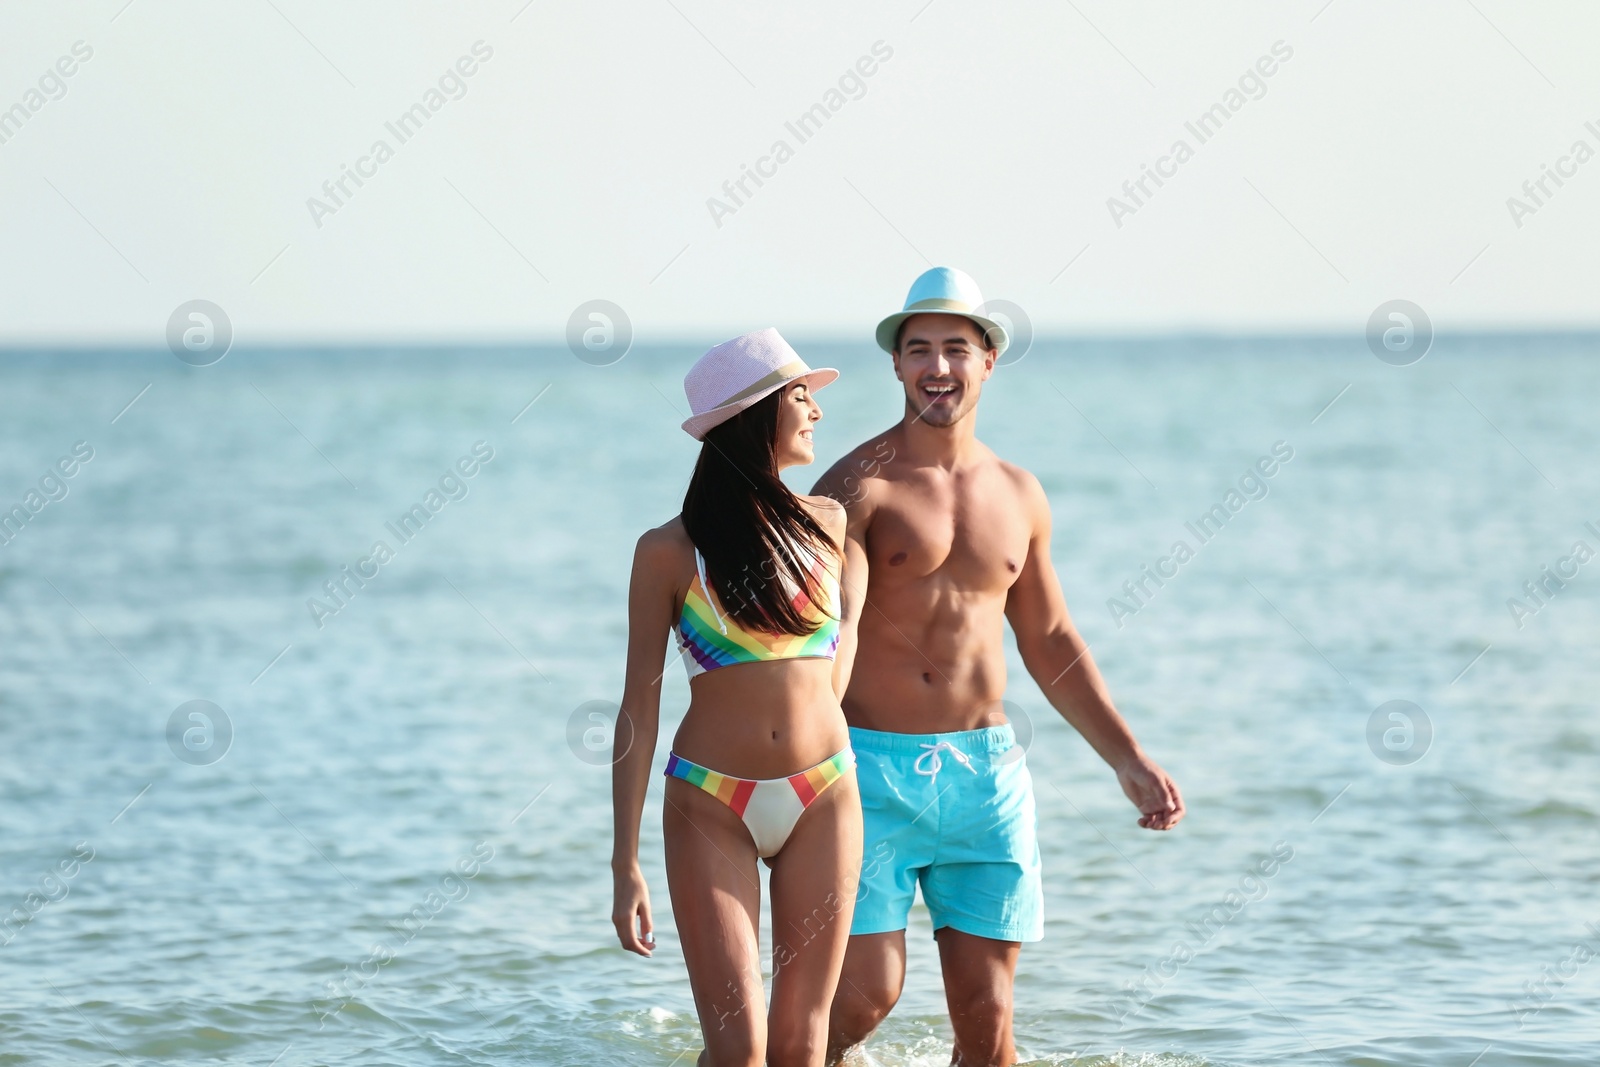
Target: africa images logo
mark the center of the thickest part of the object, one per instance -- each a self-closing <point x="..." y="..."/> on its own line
<point x="451" y="85"/>
<point x="805" y="126"/>
<point x="1251" y="85"/>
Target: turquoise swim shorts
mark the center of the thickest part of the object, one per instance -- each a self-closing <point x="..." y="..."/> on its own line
<point x="954" y="813"/>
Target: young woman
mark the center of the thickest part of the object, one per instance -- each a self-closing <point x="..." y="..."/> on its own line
<point x="748" y="580"/>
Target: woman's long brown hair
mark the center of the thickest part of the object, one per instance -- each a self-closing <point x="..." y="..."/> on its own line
<point x="750" y="527"/>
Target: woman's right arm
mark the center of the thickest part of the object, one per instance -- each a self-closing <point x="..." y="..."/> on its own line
<point x="650" y="605"/>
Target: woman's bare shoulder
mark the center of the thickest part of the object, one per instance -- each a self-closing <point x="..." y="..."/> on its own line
<point x="664" y="547"/>
<point x="828" y="512"/>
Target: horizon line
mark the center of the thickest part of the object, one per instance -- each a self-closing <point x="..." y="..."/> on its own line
<point x="558" y="344"/>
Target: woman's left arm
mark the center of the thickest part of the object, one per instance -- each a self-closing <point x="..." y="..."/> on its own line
<point x="852" y="594"/>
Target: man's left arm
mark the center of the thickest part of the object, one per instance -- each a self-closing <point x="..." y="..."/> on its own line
<point x="1058" y="659"/>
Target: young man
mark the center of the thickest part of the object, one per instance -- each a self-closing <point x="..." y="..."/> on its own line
<point x="944" y="540"/>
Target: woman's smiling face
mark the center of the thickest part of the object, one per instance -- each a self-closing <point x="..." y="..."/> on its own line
<point x="797" y="413"/>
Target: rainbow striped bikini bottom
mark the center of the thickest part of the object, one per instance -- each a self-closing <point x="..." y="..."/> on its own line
<point x="770" y="807"/>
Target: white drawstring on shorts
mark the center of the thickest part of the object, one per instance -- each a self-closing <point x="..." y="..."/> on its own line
<point x="936" y="764"/>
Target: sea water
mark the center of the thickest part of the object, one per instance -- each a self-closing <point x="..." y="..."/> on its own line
<point x="385" y="838"/>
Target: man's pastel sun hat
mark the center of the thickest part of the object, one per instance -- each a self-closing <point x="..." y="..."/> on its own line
<point x="948" y="291"/>
<point x="737" y="373"/>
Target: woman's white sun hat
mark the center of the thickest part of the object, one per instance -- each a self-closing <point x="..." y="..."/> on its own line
<point x="737" y="373"/>
<point x="944" y="290"/>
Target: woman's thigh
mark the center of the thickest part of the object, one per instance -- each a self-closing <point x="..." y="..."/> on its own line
<point x="813" y="897"/>
<point x="716" y="905"/>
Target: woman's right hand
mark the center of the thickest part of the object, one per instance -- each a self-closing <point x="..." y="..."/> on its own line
<point x="630" y="911"/>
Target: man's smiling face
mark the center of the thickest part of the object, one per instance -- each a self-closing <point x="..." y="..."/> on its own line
<point x="943" y="361"/>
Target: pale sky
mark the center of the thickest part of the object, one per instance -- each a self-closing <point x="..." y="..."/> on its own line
<point x="577" y="159"/>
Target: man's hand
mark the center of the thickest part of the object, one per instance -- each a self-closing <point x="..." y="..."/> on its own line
<point x="1153" y="792"/>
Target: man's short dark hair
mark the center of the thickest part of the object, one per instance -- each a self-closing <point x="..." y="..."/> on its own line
<point x="900" y="330"/>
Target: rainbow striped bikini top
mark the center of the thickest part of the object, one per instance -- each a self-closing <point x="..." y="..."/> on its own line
<point x="707" y="639"/>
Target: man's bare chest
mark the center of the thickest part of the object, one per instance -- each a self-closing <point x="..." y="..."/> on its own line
<point x="970" y="537"/>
